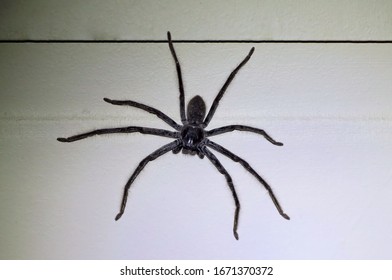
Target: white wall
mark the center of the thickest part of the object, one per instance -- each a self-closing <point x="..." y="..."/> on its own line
<point x="328" y="103"/>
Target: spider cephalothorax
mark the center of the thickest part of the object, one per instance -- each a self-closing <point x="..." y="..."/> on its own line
<point x="191" y="137"/>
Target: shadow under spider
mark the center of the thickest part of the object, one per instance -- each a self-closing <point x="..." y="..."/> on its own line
<point x="191" y="137"/>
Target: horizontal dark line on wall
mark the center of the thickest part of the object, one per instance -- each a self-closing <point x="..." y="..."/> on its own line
<point x="197" y="41"/>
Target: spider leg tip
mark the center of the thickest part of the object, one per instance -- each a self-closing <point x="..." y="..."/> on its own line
<point x="236" y="235"/>
<point x="279" y="144"/>
<point x="118" y="216"/>
<point x="285" y="216"/>
<point x="61" y="139"/>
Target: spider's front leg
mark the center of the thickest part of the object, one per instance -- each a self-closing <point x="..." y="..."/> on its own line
<point x="129" y="129"/>
<point x="164" y="149"/>
<point x="229" y="181"/>
<point x="247" y="166"/>
<point x="230" y="128"/>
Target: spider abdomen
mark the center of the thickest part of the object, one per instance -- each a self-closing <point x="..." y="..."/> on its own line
<point x="196" y="110"/>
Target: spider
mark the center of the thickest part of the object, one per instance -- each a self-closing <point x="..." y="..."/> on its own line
<point x="190" y="137"/>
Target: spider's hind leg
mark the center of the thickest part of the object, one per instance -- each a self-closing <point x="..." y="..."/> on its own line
<point x="179" y="76"/>
<point x="224" y="88"/>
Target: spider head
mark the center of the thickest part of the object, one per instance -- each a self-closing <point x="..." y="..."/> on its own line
<point x="191" y="137"/>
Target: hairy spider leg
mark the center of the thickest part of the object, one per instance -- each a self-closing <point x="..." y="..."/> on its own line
<point x="246" y="165"/>
<point x="129" y="129"/>
<point x="225" y="86"/>
<point x="231" y="128"/>
<point x="180" y="83"/>
<point x="229" y="181"/>
<point x="162" y="150"/>
<point x="146" y="108"/>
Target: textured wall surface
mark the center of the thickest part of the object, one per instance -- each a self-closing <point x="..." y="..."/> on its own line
<point x="330" y="104"/>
